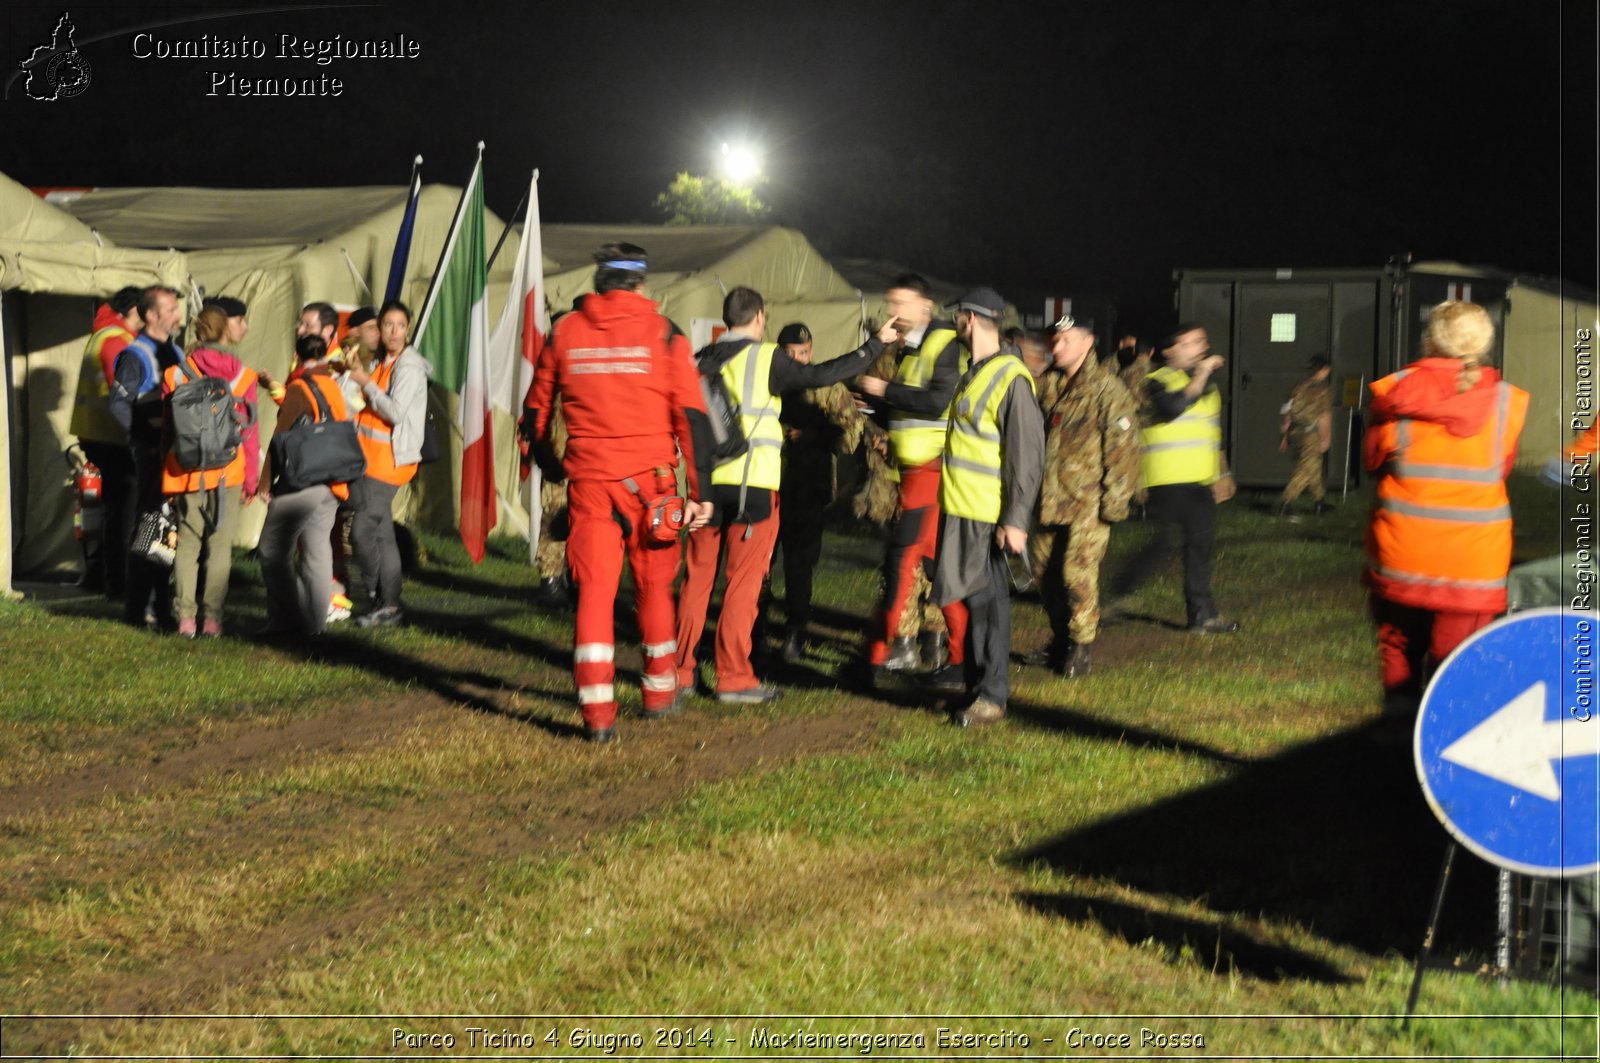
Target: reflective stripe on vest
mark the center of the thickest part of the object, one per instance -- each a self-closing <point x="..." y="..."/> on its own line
<point x="1185" y="449"/>
<point x="91" y="416"/>
<point x="970" y="485"/>
<point x="377" y="437"/>
<point x="1489" y="472"/>
<point x="748" y="375"/>
<point x="1440" y="535"/>
<point x="919" y="440"/>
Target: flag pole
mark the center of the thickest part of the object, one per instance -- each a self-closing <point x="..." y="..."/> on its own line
<point x="506" y="231"/>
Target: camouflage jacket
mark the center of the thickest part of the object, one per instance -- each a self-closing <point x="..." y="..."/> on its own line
<point x="1091" y="446"/>
<point x="1133" y="377"/>
<point x="1309" y="400"/>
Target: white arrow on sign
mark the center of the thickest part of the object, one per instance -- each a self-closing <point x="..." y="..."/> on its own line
<point x="1517" y="747"/>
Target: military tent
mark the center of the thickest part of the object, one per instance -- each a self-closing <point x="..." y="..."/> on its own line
<point x="279" y="249"/>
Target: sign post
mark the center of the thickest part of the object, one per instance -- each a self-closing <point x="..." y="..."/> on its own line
<point x="1507" y="748"/>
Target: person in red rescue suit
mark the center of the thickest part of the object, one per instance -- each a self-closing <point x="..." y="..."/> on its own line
<point x="930" y="361"/>
<point x="1442" y="439"/>
<point x="105" y="442"/>
<point x="632" y="404"/>
<point x="745" y="490"/>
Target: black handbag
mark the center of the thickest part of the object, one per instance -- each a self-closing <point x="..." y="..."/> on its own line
<point x="311" y="453"/>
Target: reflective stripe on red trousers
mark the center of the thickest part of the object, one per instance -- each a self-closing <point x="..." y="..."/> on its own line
<point x="595" y="549"/>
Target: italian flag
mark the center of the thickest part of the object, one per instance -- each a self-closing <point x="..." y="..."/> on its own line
<point x="453" y="334"/>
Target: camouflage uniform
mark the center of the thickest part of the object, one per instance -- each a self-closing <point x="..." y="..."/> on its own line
<point x="1134" y="375"/>
<point x="1091" y="469"/>
<point x="1309" y="402"/>
<point x="551" y="557"/>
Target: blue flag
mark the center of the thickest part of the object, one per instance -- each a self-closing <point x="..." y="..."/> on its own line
<point x="402" y="240"/>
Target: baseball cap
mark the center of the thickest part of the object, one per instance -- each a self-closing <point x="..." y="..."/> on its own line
<point x="985" y="302"/>
<point x="360" y="316"/>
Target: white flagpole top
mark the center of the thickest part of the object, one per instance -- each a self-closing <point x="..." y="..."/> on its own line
<point x="536" y="173"/>
<point x="417" y="161"/>
<point x="480" y="147"/>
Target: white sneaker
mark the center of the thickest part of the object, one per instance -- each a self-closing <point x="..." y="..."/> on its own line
<point x="337" y="613"/>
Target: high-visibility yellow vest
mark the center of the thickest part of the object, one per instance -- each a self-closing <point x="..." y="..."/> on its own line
<point x="1186" y="449"/>
<point x="91" y="416"/>
<point x="747" y="375"/>
<point x="970" y="484"/>
<point x="918" y="440"/>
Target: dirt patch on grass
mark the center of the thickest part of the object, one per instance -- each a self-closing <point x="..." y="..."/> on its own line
<point x="178" y="758"/>
<point x="652" y="766"/>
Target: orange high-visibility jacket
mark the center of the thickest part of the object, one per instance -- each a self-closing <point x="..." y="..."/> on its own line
<point x="377" y="436"/>
<point x="175" y="480"/>
<point x="1440" y="536"/>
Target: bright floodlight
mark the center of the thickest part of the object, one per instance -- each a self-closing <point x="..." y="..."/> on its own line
<point x="739" y="163"/>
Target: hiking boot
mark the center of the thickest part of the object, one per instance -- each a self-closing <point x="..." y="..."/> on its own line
<point x="902" y="655"/>
<point x="1078" y="662"/>
<point x="794" y="648"/>
<point x="1321" y="507"/>
<point x="950" y="679"/>
<point x="935" y="649"/>
<point x="759" y="694"/>
<point x="1048" y="657"/>
<point x="187" y="628"/>
<point x="553" y="592"/>
<point x="384" y="616"/>
<point x="211" y="628"/>
<point x="599" y="735"/>
<point x="1213" y="625"/>
<point x="980" y="713"/>
<point x="1285" y="510"/>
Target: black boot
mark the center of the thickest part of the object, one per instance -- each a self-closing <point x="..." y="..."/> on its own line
<point x="935" y="647"/>
<point x="1078" y="662"/>
<point x="794" y="647"/>
<point x="1321" y="507"/>
<point x="902" y="655"/>
<point x="553" y="593"/>
<point x="1284" y="510"/>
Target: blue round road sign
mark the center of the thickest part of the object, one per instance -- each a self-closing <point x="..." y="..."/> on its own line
<point x="1508" y="743"/>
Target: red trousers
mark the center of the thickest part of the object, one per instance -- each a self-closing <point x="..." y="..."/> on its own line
<point x="1407" y="634"/>
<point x="608" y="520"/>
<point x="912" y="543"/>
<point x="746" y="564"/>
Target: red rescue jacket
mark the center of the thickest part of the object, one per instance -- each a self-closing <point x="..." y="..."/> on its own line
<point x="627" y="382"/>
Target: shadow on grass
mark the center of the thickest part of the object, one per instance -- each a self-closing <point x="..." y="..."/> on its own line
<point x="1213" y="946"/>
<point x="1332" y="835"/>
<point x="455" y="685"/>
<point x="1066" y="720"/>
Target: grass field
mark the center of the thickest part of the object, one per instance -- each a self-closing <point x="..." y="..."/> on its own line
<point x="283" y="851"/>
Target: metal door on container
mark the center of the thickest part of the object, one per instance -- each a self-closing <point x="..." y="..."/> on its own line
<point x="1280" y="328"/>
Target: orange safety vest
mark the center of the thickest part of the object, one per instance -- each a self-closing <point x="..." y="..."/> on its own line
<point x="329" y="387"/>
<point x="1440" y="536"/>
<point x="376" y="435"/>
<point x="176" y="480"/>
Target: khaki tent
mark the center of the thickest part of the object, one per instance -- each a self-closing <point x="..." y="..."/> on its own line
<point x="693" y="266"/>
<point x="53" y="270"/>
<point x="279" y="249"/>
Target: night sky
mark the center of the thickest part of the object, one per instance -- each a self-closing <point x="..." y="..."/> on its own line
<point x="1081" y="146"/>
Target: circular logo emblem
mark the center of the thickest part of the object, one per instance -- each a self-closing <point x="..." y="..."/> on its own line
<point x="67" y="75"/>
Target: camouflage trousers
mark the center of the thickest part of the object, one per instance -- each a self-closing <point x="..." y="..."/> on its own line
<point x="1307" y="467"/>
<point x="551" y="558"/>
<point x="1066" y="565"/>
<point x="922" y="612"/>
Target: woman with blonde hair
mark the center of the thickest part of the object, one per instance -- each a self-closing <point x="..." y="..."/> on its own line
<point x="208" y="502"/>
<point x="1442" y="439"/>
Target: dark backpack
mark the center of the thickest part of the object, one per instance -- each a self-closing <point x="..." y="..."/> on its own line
<point x="208" y="421"/>
<point x="309" y="453"/>
<point x="722" y="408"/>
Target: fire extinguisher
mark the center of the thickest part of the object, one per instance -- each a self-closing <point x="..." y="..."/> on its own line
<point x="88" y="509"/>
